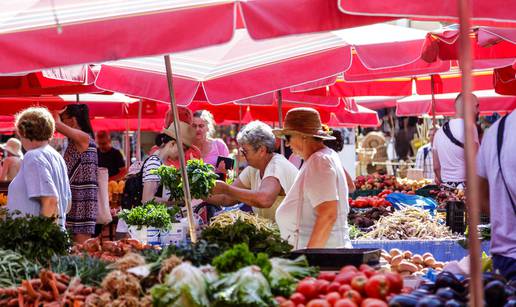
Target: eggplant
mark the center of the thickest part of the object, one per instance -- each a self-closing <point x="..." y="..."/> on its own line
<point x="447" y="279"/>
<point x="510" y="303"/>
<point x="403" y="301"/>
<point x="454" y="303"/>
<point x="509" y="291"/>
<point x="489" y="277"/>
<point x="429" y="286"/>
<point x="494" y="293"/>
<point x="447" y="294"/>
<point x="430" y="301"/>
<point x="420" y="292"/>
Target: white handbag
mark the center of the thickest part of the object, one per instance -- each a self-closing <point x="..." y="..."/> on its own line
<point x="103" y="210"/>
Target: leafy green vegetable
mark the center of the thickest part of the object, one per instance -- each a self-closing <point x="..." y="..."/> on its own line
<point x="91" y="270"/>
<point x="14" y="268"/>
<point x="246" y="287"/>
<point x="151" y="214"/>
<point x="239" y="257"/>
<point x="185" y="286"/>
<point x="354" y="232"/>
<point x="200" y="253"/>
<point x="201" y="178"/>
<point x="258" y="240"/>
<point x="285" y="274"/>
<point x="35" y="237"/>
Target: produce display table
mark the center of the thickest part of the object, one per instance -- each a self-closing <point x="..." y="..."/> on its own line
<point x="443" y="250"/>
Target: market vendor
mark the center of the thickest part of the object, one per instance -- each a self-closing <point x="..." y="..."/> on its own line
<point x="267" y="179"/>
<point x="314" y="212"/>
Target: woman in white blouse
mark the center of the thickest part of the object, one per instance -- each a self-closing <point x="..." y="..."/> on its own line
<point x="314" y="212"/>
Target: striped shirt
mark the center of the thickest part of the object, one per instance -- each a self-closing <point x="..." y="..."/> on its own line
<point x="425" y="161"/>
<point x="152" y="163"/>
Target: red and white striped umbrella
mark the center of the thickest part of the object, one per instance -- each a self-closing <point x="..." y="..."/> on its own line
<point x="494" y="12"/>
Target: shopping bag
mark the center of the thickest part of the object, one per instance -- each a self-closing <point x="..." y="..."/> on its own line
<point x="400" y="200"/>
<point x="103" y="210"/>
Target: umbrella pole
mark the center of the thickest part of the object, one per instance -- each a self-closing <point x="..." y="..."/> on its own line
<point x="472" y="191"/>
<point x="139" y="135"/>
<point x="127" y="143"/>
<point x="280" y="120"/>
<point x="184" y="175"/>
<point x="432" y="87"/>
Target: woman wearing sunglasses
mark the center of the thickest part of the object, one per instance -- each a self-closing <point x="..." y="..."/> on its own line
<point x="314" y="211"/>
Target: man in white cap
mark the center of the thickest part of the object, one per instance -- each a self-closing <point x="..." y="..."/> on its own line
<point x="11" y="164"/>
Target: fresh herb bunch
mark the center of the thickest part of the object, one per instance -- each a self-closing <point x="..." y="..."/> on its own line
<point x="201" y="177"/>
<point x="259" y="240"/>
<point x="170" y="178"/>
<point x="14" y="268"/>
<point x="35" y="237"/>
<point x="239" y="256"/>
<point x="91" y="270"/>
<point x="150" y="214"/>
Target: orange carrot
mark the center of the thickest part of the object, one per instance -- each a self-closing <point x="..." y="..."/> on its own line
<point x="53" y="285"/>
<point x="36" y="302"/>
<point x="13" y="302"/>
<point x="46" y="295"/>
<point x="30" y="289"/>
<point x="21" y="302"/>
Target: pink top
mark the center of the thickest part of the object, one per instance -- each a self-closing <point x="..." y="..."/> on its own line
<point x="218" y="148"/>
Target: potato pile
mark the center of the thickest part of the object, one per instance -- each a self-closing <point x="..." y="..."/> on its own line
<point x="405" y="263"/>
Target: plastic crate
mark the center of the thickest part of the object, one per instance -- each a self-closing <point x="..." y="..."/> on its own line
<point x="332" y="259"/>
<point x="455" y="216"/>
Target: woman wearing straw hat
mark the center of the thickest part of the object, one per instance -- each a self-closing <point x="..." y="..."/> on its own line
<point x="314" y="211"/>
<point x="11" y="164"/>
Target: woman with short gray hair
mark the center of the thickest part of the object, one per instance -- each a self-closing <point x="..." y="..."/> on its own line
<point x="257" y="134"/>
<point x="267" y="179"/>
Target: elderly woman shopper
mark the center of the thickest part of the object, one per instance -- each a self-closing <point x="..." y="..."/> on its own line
<point x="11" y="164"/>
<point x="210" y="147"/>
<point x="267" y="179"/>
<point x="41" y="186"/>
<point x="81" y="159"/>
<point x="314" y="212"/>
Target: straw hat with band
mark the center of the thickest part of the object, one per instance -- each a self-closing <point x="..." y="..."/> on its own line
<point x="303" y="121"/>
<point x="13" y="146"/>
<point x="187" y="133"/>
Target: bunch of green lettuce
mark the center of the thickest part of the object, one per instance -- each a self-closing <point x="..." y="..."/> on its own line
<point x="246" y="287"/>
<point x="238" y="257"/>
<point x="285" y="274"/>
<point x="185" y="286"/>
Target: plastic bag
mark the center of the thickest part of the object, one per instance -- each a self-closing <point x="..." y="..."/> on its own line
<point x="400" y="200"/>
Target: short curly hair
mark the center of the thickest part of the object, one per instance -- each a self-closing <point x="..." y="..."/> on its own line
<point x="35" y="124"/>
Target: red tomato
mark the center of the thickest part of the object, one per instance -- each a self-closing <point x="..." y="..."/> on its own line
<point x="329" y="276"/>
<point x="308" y="288"/>
<point x="346" y="277"/>
<point x="332" y="297"/>
<point x="345" y="303"/>
<point x="334" y="287"/>
<point x="353" y="295"/>
<point x="322" y="286"/>
<point x="280" y="299"/>
<point x="395" y="282"/>
<point x="298" y="298"/>
<point x="318" y="303"/>
<point x="367" y="270"/>
<point x="348" y="268"/>
<point x="344" y="288"/>
<point x="373" y="302"/>
<point x="377" y="287"/>
<point x="358" y="283"/>
<point x="288" y="304"/>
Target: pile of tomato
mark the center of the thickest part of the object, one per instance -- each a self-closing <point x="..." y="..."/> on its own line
<point x="369" y="201"/>
<point x="350" y="287"/>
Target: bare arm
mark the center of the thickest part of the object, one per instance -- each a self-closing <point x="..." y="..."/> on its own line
<point x="5" y="169"/>
<point x="437" y="167"/>
<point x="48" y="206"/>
<point x="79" y="137"/>
<point x="149" y="190"/>
<point x="349" y="182"/>
<point x="484" y="194"/>
<point x="223" y="199"/>
<point x="326" y="216"/>
<point x="264" y="197"/>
